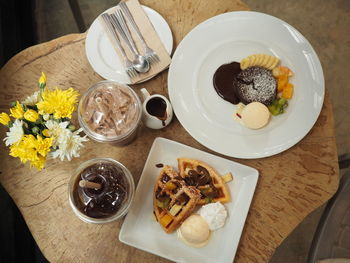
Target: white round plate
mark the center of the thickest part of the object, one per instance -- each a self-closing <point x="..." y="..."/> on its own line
<point x="103" y="57"/>
<point x="231" y="37"/>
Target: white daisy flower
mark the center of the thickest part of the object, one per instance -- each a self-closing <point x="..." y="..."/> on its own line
<point x="69" y="146"/>
<point x="46" y="117"/>
<point x="57" y="131"/>
<point x="15" y="133"/>
<point x="32" y="99"/>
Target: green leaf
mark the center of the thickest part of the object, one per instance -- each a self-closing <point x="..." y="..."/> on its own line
<point x="35" y="130"/>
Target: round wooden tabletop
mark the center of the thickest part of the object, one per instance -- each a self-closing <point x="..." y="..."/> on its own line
<point x="291" y="184"/>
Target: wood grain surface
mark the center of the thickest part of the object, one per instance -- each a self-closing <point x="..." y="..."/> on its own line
<point x="291" y="184"/>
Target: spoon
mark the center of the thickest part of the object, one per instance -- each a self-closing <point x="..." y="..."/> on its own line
<point x="140" y="63"/>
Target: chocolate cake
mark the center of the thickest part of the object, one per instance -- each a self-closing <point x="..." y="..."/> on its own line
<point x="255" y="84"/>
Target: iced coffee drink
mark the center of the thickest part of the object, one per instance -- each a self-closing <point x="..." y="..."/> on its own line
<point x="110" y="112"/>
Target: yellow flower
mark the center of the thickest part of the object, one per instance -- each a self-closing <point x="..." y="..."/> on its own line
<point x="46" y="133"/>
<point x="17" y="111"/>
<point x="38" y="163"/>
<point x="28" y="141"/>
<point x="31" y="115"/>
<point x="43" y="145"/>
<point x="4" y="118"/>
<point x="32" y="149"/>
<point x="42" y="79"/>
<point x="60" y="103"/>
<point x="24" y="149"/>
<point x="17" y="150"/>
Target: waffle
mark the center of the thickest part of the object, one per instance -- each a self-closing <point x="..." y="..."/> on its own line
<point x="195" y="173"/>
<point x="171" y="206"/>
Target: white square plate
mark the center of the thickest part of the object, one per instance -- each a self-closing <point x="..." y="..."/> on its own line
<point x="142" y="231"/>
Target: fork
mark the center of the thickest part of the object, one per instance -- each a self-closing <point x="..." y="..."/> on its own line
<point x="129" y="68"/>
<point x="150" y="54"/>
<point x="140" y="62"/>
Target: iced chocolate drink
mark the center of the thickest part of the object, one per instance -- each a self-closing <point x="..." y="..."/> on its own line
<point x="101" y="189"/>
<point x="107" y="196"/>
<point x="110" y="112"/>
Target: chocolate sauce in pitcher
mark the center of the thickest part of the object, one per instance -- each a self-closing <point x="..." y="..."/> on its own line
<point x="157" y="108"/>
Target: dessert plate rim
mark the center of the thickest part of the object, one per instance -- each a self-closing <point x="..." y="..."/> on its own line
<point x="189" y="94"/>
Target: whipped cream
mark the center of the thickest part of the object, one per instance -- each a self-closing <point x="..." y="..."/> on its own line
<point x="214" y="214"/>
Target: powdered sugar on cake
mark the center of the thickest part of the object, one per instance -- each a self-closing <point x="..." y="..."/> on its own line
<point x="256" y="84"/>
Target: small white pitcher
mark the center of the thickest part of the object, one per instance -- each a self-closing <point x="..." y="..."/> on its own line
<point x="157" y="111"/>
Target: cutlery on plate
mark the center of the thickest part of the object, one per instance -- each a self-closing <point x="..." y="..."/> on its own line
<point x="140" y="63"/>
<point x="129" y="68"/>
<point x="150" y="54"/>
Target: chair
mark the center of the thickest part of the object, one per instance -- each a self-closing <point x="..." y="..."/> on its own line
<point x="74" y="5"/>
<point x="332" y="237"/>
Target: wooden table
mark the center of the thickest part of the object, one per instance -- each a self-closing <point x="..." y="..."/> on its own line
<point x="291" y="184"/>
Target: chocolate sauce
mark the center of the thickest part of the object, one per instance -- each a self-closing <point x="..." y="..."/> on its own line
<point x="165" y="178"/>
<point x="252" y="84"/>
<point x="157" y="108"/>
<point x="182" y="199"/>
<point x="159" y="165"/>
<point x="107" y="200"/>
<point x="224" y="81"/>
<point x="199" y="177"/>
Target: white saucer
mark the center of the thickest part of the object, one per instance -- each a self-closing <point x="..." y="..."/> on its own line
<point x="103" y="57"/>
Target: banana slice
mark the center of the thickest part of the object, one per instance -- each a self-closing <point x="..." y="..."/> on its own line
<point x="274" y="64"/>
<point x="254" y="60"/>
<point x="262" y="60"/>
<point x="259" y="59"/>
<point x="244" y="63"/>
<point x="265" y="61"/>
<point x="248" y="61"/>
<point x="270" y="63"/>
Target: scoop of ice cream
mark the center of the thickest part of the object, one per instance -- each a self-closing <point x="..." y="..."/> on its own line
<point x="194" y="231"/>
<point x="214" y="214"/>
<point x="255" y="115"/>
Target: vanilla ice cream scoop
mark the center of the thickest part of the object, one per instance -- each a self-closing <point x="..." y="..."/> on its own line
<point x="214" y="214"/>
<point x="194" y="231"/>
<point x="255" y="115"/>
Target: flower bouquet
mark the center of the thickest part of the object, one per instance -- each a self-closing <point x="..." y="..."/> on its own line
<point x="41" y="126"/>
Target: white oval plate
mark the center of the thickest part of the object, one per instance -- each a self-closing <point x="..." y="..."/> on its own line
<point x="103" y="57"/>
<point x="231" y="37"/>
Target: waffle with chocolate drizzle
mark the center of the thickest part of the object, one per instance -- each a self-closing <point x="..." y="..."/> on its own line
<point x="202" y="176"/>
<point x="173" y="200"/>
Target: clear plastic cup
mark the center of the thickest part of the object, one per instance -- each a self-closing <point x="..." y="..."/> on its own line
<point x="110" y="112"/>
<point x="79" y="197"/>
